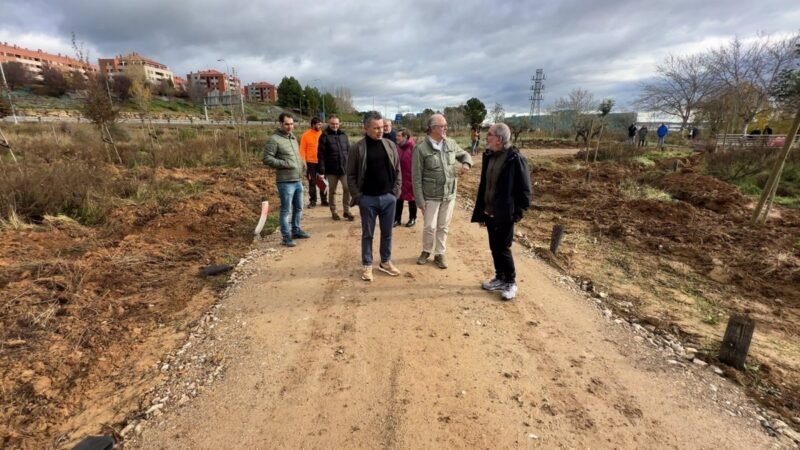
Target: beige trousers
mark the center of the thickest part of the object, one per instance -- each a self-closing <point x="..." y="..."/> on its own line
<point x="436" y="221"/>
<point x="333" y="182"/>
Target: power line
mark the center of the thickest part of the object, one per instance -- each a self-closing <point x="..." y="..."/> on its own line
<point x="537" y="95"/>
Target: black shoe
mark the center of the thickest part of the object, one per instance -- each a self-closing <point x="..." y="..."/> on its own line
<point x="300" y="234"/>
<point x="396" y="224"/>
<point x="411" y="222"/>
<point x="324" y="204"/>
<point x="312" y="205"/>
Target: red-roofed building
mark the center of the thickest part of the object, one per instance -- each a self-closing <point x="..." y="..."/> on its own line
<point x="262" y="92"/>
<point x="213" y="80"/>
<point x="179" y="83"/>
<point x="34" y="60"/>
<point x="135" y="66"/>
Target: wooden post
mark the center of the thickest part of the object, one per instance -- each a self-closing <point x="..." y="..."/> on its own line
<point x="736" y="342"/>
<point x="556" y="238"/>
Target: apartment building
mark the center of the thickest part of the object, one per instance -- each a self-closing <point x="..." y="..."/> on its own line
<point x="135" y="66"/>
<point x="261" y="92"/>
<point x="34" y="60"/>
<point x="214" y="81"/>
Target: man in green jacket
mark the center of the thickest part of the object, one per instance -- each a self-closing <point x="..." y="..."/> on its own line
<point x="437" y="163"/>
<point x="283" y="155"/>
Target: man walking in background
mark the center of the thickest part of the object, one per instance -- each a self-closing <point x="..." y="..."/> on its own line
<point x="437" y="163"/>
<point x="283" y="154"/>
<point x="332" y="155"/>
<point x="373" y="176"/>
<point x="661" y="132"/>
<point x="504" y="194"/>
<point x="309" y="142"/>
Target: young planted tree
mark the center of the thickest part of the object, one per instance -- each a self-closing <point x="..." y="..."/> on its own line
<point x="786" y="92"/>
<point x="576" y="107"/>
<point x="97" y="107"/>
<point x="604" y="109"/>
<point x="141" y="98"/>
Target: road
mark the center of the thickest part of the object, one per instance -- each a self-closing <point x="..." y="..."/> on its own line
<point x="318" y="358"/>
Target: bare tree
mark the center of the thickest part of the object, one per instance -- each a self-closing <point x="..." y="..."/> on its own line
<point x="17" y="75"/>
<point x="750" y="72"/>
<point x="576" y="107"/>
<point x="498" y="113"/>
<point x="682" y="83"/>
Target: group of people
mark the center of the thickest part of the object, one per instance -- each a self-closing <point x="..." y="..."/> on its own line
<point x="387" y="168"/>
<point x="635" y="132"/>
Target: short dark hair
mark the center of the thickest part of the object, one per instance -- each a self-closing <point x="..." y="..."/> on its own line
<point x="285" y="116"/>
<point x="405" y="132"/>
<point x="372" y="115"/>
<point x="333" y="116"/>
<point x="315" y="121"/>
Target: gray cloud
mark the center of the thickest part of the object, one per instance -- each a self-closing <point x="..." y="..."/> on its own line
<point x="408" y="55"/>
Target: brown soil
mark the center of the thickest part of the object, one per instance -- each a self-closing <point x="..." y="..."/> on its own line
<point x="88" y="312"/>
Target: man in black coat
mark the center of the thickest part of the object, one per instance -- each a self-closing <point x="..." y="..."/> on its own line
<point x="504" y="194"/>
<point x="332" y="156"/>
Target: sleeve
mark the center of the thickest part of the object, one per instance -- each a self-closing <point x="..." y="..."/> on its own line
<point x="321" y="154"/>
<point x="304" y="146"/>
<point x="462" y="156"/>
<point x="416" y="176"/>
<point x="398" y="175"/>
<point x="352" y="175"/>
<point x="522" y="189"/>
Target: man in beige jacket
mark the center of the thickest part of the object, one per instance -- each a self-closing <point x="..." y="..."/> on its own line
<point x="437" y="163"/>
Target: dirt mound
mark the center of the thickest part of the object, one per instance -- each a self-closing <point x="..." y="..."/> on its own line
<point x="703" y="191"/>
<point x="90" y="311"/>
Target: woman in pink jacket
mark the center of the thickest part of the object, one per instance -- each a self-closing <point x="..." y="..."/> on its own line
<point x="405" y="147"/>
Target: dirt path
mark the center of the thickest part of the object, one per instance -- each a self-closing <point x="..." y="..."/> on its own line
<point x="320" y="359"/>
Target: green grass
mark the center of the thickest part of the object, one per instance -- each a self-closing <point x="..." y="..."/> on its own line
<point x="634" y="191"/>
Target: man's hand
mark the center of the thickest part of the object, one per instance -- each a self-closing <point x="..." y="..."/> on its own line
<point x="464" y="169"/>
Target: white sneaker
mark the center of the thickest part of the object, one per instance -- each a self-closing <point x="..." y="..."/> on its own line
<point x="509" y="291"/>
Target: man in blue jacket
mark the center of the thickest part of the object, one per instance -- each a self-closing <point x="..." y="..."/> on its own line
<point x="662" y="134"/>
<point x="504" y="194"/>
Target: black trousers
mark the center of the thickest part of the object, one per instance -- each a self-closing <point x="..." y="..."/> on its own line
<point x="501" y="235"/>
<point x="412" y="210"/>
<point x="311" y="174"/>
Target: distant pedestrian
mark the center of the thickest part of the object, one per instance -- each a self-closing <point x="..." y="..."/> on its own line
<point x="632" y="134"/>
<point x="695" y="133"/>
<point x="767" y="130"/>
<point x="661" y="132"/>
<point x="642" y="133"/>
<point x="309" y="142"/>
<point x="438" y="162"/>
<point x="374" y="179"/>
<point x="283" y="154"/>
<point x="475" y="136"/>
<point x="332" y="154"/>
<point x="504" y="194"/>
<point x="405" y="149"/>
<point x="388" y="133"/>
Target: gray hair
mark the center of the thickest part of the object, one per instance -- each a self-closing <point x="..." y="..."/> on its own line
<point x="372" y="115"/>
<point x="502" y="131"/>
<point x="429" y="122"/>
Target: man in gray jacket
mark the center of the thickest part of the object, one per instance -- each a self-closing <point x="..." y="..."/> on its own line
<point x="373" y="176"/>
<point x="283" y="155"/>
<point x="437" y="163"/>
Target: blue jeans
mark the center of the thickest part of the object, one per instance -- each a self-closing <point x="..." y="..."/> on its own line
<point x="291" y="193"/>
<point x="374" y="208"/>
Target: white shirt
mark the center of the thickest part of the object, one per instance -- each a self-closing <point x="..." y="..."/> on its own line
<point x="436" y="145"/>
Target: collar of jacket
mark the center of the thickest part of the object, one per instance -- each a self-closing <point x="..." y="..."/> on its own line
<point x="329" y="131"/>
<point x="280" y="133"/>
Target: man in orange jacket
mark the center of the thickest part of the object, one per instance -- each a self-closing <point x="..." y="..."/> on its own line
<point x="308" y="151"/>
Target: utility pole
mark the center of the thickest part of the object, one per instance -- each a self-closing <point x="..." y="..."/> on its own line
<point x="536" y="97"/>
<point x="8" y="91"/>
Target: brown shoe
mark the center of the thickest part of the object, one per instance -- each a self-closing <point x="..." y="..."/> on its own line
<point x="349" y="217"/>
<point x="335" y="216"/>
<point x="366" y="274"/>
<point x="423" y="258"/>
<point x="388" y="268"/>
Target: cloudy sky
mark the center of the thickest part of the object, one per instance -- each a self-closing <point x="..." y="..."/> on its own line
<point x="405" y="56"/>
